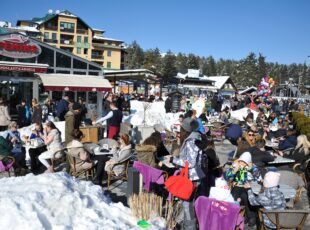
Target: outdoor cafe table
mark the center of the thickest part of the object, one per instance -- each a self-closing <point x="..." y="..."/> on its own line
<point x="29" y="146"/>
<point x="288" y="191"/>
<point x="281" y="160"/>
<point x="271" y="144"/>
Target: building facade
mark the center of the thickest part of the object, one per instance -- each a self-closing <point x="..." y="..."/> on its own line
<point x="69" y="32"/>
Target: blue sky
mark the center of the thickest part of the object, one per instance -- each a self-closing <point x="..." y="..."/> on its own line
<point x="229" y="29"/>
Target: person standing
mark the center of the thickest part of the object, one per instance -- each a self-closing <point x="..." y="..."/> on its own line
<point x="5" y="118"/>
<point x="71" y="121"/>
<point x="62" y="108"/>
<point x="22" y="111"/>
<point x="168" y="104"/>
<point x="114" y="118"/>
<point x="36" y="112"/>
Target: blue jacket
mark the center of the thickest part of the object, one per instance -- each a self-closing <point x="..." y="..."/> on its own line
<point x="61" y="109"/>
<point x="289" y="142"/>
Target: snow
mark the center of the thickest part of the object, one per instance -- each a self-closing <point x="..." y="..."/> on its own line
<point x="59" y="201"/>
<point x="26" y="28"/>
<point x="106" y="39"/>
<point x="219" y="81"/>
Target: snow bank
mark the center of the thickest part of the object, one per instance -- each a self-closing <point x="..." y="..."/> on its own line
<point x="59" y="201"/>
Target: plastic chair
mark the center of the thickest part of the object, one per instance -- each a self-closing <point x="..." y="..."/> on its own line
<point x="288" y="219"/>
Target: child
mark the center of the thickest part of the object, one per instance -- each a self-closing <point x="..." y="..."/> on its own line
<point x="221" y="191"/>
<point x="241" y="172"/>
<point x="271" y="198"/>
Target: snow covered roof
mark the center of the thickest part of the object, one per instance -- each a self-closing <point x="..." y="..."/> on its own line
<point x="26" y="28"/>
<point x="67" y="13"/>
<point x="106" y="39"/>
<point x="248" y="90"/>
<point x="219" y="80"/>
<point x="94" y="29"/>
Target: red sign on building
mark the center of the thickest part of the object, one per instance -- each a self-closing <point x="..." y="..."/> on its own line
<point x="18" y="46"/>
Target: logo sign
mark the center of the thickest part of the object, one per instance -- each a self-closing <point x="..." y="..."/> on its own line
<point x="18" y="46"/>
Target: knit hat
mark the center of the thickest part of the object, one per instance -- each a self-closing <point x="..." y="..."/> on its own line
<point x="271" y="179"/>
<point x="221" y="183"/>
<point x="76" y="106"/>
<point x="189" y="124"/>
<point x="246" y="158"/>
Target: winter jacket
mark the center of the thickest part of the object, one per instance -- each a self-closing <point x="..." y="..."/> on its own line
<point x="69" y="126"/>
<point x="61" y="109"/>
<point x="244" y="175"/>
<point x="5" y="147"/>
<point x="289" y="142"/>
<point x="4" y="116"/>
<point x="36" y="114"/>
<point x="77" y="151"/>
<point x="146" y="154"/>
<point x="120" y="156"/>
<point x="260" y="158"/>
<point x="270" y="199"/>
<point x="190" y="152"/>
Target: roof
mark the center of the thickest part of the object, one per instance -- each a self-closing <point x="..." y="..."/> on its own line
<point x="26" y="28"/>
<point x="219" y="80"/>
<point x="106" y="39"/>
<point x="69" y="82"/>
<point x="248" y="90"/>
<point x="129" y="75"/>
<point x="94" y="29"/>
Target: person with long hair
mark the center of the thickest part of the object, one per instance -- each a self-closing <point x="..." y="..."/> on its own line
<point x="5" y="118"/>
<point x="36" y="116"/>
<point x="52" y="140"/>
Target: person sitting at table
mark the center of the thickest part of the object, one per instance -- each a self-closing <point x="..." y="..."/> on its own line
<point x="266" y="133"/>
<point x="122" y="153"/>
<point x="37" y="133"/>
<point x="271" y="198"/>
<point x="260" y="157"/>
<point x="288" y="142"/>
<point x="12" y="135"/>
<point x="52" y="140"/>
<point x="76" y="150"/>
<point x="234" y="132"/>
<point x="221" y="191"/>
<point x="120" y="156"/>
<point x="247" y="141"/>
<point x="241" y="172"/>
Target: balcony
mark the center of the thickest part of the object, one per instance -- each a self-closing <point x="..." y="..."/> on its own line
<point x="51" y="27"/>
<point x="97" y="56"/>
<point x="67" y="30"/>
<point x="66" y="42"/>
<point x="81" y="31"/>
<point x="102" y="45"/>
<point x="50" y="40"/>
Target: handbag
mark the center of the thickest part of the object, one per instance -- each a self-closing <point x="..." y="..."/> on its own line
<point x="180" y="186"/>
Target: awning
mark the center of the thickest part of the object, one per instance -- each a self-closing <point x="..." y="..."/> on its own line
<point x="68" y="82"/>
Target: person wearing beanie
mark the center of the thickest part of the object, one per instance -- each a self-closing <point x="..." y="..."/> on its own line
<point x="221" y="191"/>
<point x="241" y="172"/>
<point x="72" y="121"/>
<point x="271" y="198"/>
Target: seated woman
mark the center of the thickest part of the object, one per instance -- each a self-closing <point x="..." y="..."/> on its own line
<point x="289" y="142"/>
<point x="271" y="198"/>
<point x="118" y="155"/>
<point x="301" y="152"/>
<point x="76" y="150"/>
<point x="247" y="141"/>
<point x="123" y="154"/>
<point x="12" y="135"/>
<point x="52" y="140"/>
<point x="38" y="134"/>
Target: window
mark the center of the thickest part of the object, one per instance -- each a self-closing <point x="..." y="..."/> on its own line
<point x="86" y="39"/>
<point x="109" y="64"/>
<point x="85" y="51"/>
<point x="67" y="27"/>
<point x="54" y="36"/>
<point x="78" y="50"/>
<point x="109" y="53"/>
<point x="79" y="39"/>
<point x="46" y="35"/>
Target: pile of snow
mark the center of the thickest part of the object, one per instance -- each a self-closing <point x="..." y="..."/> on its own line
<point x="59" y="201"/>
<point x="154" y="113"/>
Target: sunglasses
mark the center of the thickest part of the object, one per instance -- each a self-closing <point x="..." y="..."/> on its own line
<point x="251" y="134"/>
<point x="265" y="126"/>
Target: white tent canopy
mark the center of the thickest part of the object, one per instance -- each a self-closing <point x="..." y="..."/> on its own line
<point x="240" y="114"/>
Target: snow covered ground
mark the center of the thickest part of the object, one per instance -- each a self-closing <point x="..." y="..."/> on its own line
<point x="59" y="201"/>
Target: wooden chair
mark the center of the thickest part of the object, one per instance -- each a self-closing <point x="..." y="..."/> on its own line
<point x="288" y="219"/>
<point x="88" y="173"/>
<point x="123" y="176"/>
<point x="59" y="157"/>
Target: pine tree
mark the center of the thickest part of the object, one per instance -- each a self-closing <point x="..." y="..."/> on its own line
<point x="152" y="59"/>
<point x="192" y="62"/>
<point x="261" y="68"/>
<point x="181" y="63"/>
<point x="169" y="69"/>
<point x="134" y="56"/>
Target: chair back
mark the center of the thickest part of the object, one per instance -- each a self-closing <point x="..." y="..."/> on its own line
<point x="291" y="219"/>
<point x="108" y="141"/>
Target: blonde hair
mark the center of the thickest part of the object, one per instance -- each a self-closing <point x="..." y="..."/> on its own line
<point x="303" y="142"/>
<point x="13" y="124"/>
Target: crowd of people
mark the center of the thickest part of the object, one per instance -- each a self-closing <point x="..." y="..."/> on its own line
<point x="191" y="142"/>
